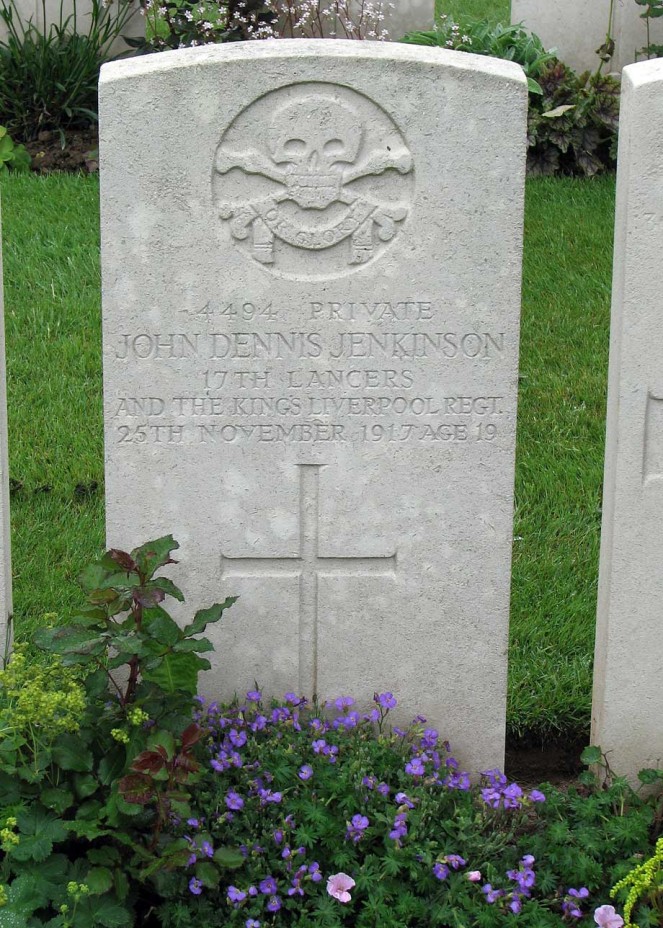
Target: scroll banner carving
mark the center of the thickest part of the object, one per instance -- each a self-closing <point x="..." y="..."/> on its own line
<point x="341" y="172"/>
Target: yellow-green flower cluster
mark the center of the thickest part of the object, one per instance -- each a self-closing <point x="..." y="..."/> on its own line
<point x="45" y="696"/>
<point x="119" y="734"/>
<point x="4" y="898"/>
<point x="645" y="879"/>
<point x="8" y="837"/>
<point x="137" y="716"/>
<point x="77" y="890"/>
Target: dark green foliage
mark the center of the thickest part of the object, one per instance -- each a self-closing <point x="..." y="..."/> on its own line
<point x="49" y="75"/>
<point x="89" y="795"/>
<point x="573" y="118"/>
<point x="481" y="37"/>
<point x="572" y="126"/>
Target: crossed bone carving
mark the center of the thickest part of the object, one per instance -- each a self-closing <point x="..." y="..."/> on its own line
<point x="313" y="154"/>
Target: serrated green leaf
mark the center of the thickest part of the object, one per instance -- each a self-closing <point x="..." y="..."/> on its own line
<point x="208" y="873"/>
<point x="155" y="554"/>
<point x="99" y="880"/>
<point x="205" y="617"/>
<point x="57" y="799"/>
<point x="650" y="776"/>
<point x="591" y="755"/>
<point x="163" y="629"/>
<point x="104" y="856"/>
<point x="177" y="673"/>
<point x="38" y="830"/>
<point x="199" y="645"/>
<point x="70" y="753"/>
<point x="112" y="766"/>
<point x="168" y="587"/>
<point x="229" y="857"/>
<point x="85" y="785"/>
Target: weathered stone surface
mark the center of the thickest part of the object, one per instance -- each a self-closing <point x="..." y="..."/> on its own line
<point x="576" y="28"/>
<point x="5" y="545"/>
<point x="33" y="11"/>
<point x="628" y="696"/>
<point x="311" y="290"/>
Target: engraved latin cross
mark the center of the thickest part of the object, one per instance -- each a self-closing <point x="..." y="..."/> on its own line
<point x="308" y="565"/>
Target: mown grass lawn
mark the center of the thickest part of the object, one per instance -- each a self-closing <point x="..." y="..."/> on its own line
<point x="51" y="252"/>
<point x="498" y="11"/>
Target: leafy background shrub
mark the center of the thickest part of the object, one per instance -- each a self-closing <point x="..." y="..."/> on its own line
<point x="49" y="75"/>
<point x="573" y="119"/>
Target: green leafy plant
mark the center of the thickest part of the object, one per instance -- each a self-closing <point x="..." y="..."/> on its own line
<point x="653" y="10"/>
<point x="573" y="119"/>
<point x="12" y="156"/>
<point x="573" y="125"/>
<point x="49" y="74"/>
<point x="96" y="749"/>
<point x="481" y="37"/>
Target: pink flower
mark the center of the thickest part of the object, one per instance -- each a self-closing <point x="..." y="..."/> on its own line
<point x="339" y="885"/>
<point x="606" y="917"/>
<point x="474" y="876"/>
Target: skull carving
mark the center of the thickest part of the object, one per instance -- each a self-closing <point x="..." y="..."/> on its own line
<point x="314" y="176"/>
<point x="312" y="141"/>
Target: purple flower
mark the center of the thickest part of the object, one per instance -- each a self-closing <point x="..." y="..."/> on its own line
<point x="415" y="767"/>
<point x="319" y="746"/>
<point x="344" y="702"/>
<point x="238" y="738"/>
<point x="383" y="789"/>
<point x="268" y="886"/>
<point x="305" y="772"/>
<point x="195" y="886"/>
<point x="492" y="895"/>
<point x="400" y="828"/>
<point x="356" y="828"/>
<point x="278" y="837"/>
<point x="429" y="738"/>
<point x="236" y="895"/>
<point x="292" y="699"/>
<point x="440" y="870"/>
<point x="570" y="904"/>
<point x="455" y="861"/>
<point x="385" y="700"/>
<point x="402" y="800"/>
<point x="234" y="800"/>
<point x="274" y="904"/>
<point x="254" y="696"/>
<point x="193" y="823"/>
<point x="252" y="923"/>
<point x="314" y="872"/>
<point x="536" y="796"/>
<point x="207" y="849"/>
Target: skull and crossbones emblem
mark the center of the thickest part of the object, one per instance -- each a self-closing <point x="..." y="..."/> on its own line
<point x="314" y="167"/>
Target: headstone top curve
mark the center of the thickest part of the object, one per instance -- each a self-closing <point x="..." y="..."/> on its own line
<point x="643" y="72"/>
<point x="314" y="49"/>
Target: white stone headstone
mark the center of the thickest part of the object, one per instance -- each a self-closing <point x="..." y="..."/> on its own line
<point x="5" y="544"/>
<point x="577" y="28"/>
<point x="311" y="292"/>
<point x="628" y="696"/>
<point x="410" y="16"/>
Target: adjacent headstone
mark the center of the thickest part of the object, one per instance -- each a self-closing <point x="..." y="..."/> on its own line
<point x="577" y="28"/>
<point x="628" y="696"/>
<point x="78" y="13"/>
<point x="311" y="292"/>
<point x="5" y="544"/>
<point x="410" y="16"/>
